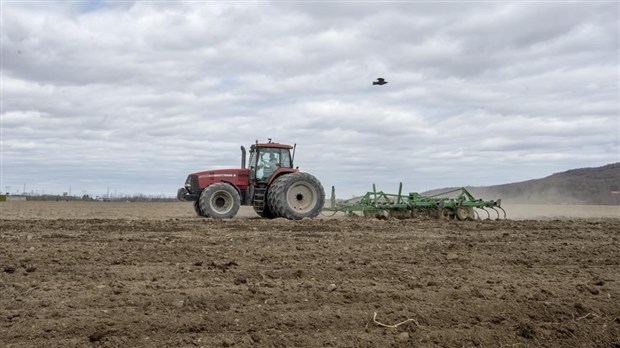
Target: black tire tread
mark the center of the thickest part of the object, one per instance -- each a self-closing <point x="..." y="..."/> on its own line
<point x="214" y="188"/>
<point x="198" y="210"/>
<point x="276" y="196"/>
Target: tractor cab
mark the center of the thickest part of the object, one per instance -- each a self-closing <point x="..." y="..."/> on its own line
<point x="268" y="158"/>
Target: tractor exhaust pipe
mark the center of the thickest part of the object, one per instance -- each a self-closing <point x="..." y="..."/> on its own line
<point x="242" y="157"/>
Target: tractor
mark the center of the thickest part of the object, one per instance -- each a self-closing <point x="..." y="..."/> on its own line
<point x="270" y="184"/>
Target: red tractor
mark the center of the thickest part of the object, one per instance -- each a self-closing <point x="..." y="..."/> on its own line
<point x="270" y="184"/>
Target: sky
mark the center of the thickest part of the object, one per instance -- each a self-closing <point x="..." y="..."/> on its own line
<point x="131" y="97"/>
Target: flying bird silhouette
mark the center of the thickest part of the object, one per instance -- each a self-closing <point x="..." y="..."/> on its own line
<point x="380" y="81"/>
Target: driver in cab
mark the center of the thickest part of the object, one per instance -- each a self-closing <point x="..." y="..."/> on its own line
<point x="270" y="164"/>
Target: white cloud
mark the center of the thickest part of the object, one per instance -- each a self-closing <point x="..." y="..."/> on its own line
<point x="478" y="93"/>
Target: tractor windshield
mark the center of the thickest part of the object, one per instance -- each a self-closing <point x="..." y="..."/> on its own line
<point x="269" y="160"/>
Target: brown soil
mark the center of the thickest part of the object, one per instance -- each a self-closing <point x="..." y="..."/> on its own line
<point x="179" y="281"/>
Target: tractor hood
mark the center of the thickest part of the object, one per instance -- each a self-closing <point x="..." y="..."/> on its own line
<point x="221" y="173"/>
<point x="237" y="177"/>
<point x="197" y="181"/>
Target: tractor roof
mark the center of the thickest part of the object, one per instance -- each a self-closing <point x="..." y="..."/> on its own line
<point x="274" y="145"/>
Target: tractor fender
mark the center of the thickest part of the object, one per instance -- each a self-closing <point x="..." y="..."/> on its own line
<point x="280" y="172"/>
<point x="231" y="184"/>
<point x="241" y="194"/>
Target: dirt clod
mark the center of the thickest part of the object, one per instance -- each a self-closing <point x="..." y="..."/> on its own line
<point x="222" y="266"/>
<point x="97" y="336"/>
<point x="525" y="330"/>
<point x="403" y="336"/>
<point x="240" y="280"/>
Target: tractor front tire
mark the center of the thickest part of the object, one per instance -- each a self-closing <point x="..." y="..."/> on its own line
<point x="220" y="201"/>
<point x="296" y="196"/>
<point x="197" y="209"/>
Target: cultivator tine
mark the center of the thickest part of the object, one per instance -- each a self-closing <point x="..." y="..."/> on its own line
<point x="497" y="212"/>
<point x="502" y="209"/>
<point x="486" y="211"/>
<point x="476" y="215"/>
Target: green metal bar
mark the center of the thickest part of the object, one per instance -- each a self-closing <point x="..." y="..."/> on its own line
<point x="443" y="193"/>
<point x="374" y="191"/>
<point x="469" y="196"/>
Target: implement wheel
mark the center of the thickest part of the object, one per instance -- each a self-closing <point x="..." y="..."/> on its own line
<point x="464" y="213"/>
<point x="296" y="196"/>
<point x="400" y="214"/>
<point x="368" y="214"/>
<point x="220" y="201"/>
<point x="445" y="214"/>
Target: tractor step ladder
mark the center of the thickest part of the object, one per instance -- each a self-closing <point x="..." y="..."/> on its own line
<point x="259" y="198"/>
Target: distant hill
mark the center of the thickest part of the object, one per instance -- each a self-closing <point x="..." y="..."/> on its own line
<point x="576" y="186"/>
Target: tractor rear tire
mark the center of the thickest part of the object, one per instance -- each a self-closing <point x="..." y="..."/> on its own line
<point x="266" y="214"/>
<point x="220" y="201"/>
<point x="296" y="196"/>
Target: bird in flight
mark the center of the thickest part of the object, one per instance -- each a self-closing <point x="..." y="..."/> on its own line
<point x="380" y="81"/>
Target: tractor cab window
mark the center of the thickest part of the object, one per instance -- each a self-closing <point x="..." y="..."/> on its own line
<point x="285" y="160"/>
<point x="268" y="163"/>
<point x="269" y="160"/>
<point x="252" y="161"/>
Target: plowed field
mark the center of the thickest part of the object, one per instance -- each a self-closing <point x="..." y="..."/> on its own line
<point x="101" y="278"/>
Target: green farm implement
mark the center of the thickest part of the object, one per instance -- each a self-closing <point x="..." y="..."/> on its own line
<point x="455" y="204"/>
